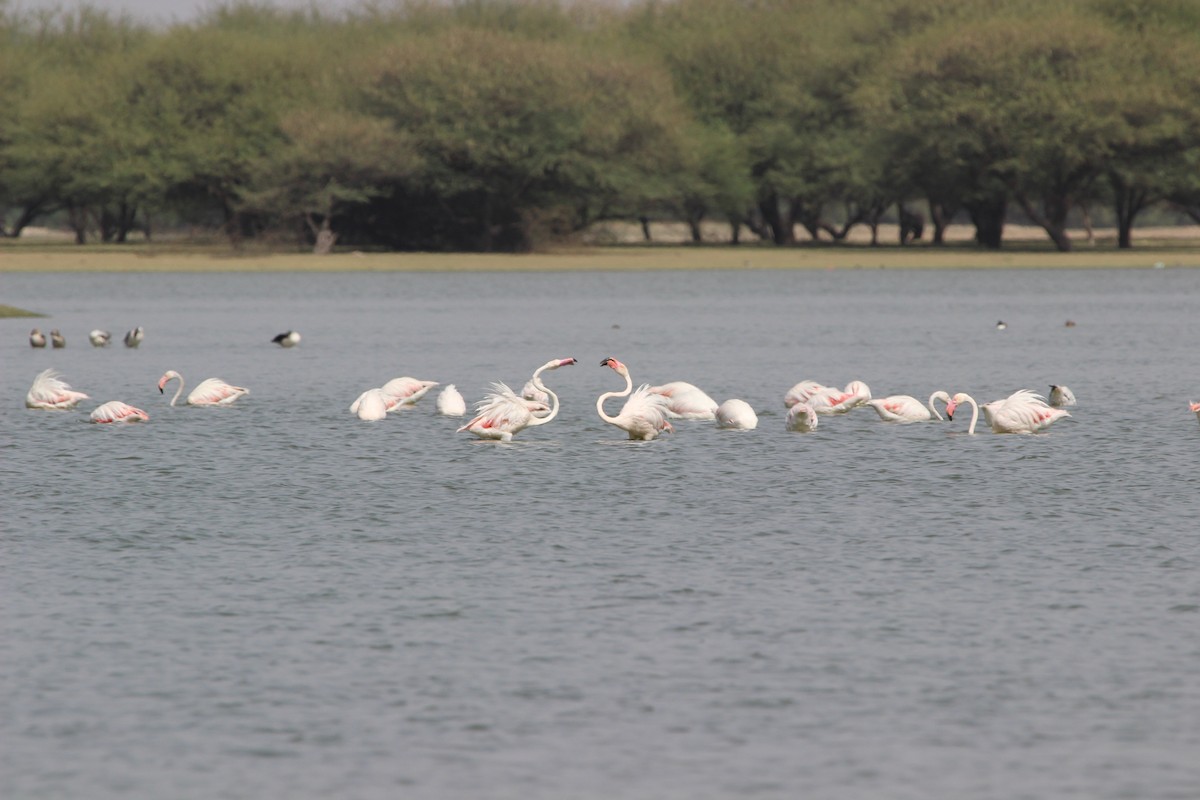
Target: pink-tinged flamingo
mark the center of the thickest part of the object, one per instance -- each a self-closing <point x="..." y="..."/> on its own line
<point x="116" y="411"/>
<point x="904" y="408"/>
<point x="51" y="393"/>
<point x="1195" y="407"/>
<point x="1023" y="411"/>
<point x="840" y="401"/>
<point x="210" y="392"/>
<point x="644" y="415"/>
<point x="686" y="401"/>
<point x="801" y="418"/>
<point x="736" y="414"/>
<point x="405" y="391"/>
<point x="1061" y="396"/>
<point x="450" y="402"/>
<point x="801" y="392"/>
<point x="502" y="414"/>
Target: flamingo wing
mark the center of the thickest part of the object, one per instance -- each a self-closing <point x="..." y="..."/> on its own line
<point x="117" y="411"/>
<point x="801" y="392"/>
<point x="501" y="414"/>
<point x="215" y="392"/>
<point x="50" y="392"/>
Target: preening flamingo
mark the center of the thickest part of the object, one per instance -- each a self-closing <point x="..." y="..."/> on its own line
<point x="1061" y="396"/>
<point x="51" y="393"/>
<point x="686" y="401"/>
<point x="1195" y="407"/>
<point x="905" y="408"/>
<point x="530" y="392"/>
<point x="116" y="411"/>
<point x="736" y="414"/>
<point x="802" y="418"/>
<point x="839" y="401"/>
<point x="134" y="337"/>
<point x="644" y="415"/>
<point x="502" y="414"/>
<point x="1023" y="411"/>
<point x="371" y="405"/>
<point x="287" y="339"/>
<point x="801" y="392"/>
<point x="57" y="339"/>
<point x="450" y="402"/>
<point x="210" y="392"/>
<point x="100" y="338"/>
<point x="37" y="338"/>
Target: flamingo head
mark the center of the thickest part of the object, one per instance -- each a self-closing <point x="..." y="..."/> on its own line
<point x="168" y="375"/>
<point x="1194" y="406"/>
<point x="561" y="362"/>
<point x="615" y="365"/>
<point x="952" y="404"/>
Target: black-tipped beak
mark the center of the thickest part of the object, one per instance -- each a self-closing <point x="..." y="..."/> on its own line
<point x="604" y="363"/>
<point x="160" y="390"/>
<point x="950" y="415"/>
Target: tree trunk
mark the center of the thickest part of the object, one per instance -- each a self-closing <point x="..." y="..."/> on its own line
<point x="778" y="220"/>
<point x="1052" y="217"/>
<point x="1129" y="202"/>
<point x="988" y="215"/>
<point x="77" y="220"/>
<point x="486" y="239"/>
<point x="326" y="238"/>
<point x="645" y="228"/>
<point x="941" y="215"/>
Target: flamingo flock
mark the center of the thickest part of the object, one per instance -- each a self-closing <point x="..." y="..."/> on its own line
<point x="646" y="413"/>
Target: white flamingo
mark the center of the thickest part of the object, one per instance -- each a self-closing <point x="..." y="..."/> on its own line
<point x="100" y="338"/>
<point x="1023" y="411"/>
<point x="450" y="402"/>
<point x="405" y="391"/>
<point x="801" y="418"/>
<point x="686" y="400"/>
<point x="116" y="411"/>
<point x="371" y="405"/>
<point x="906" y="408"/>
<point x="644" y="415"/>
<point x="502" y="414"/>
<point x="736" y="414"/>
<point x="839" y="401"/>
<point x="210" y="392"/>
<point x="51" y="393"/>
<point x="37" y="338"/>
<point x="1061" y="396"/>
<point x="287" y="339"/>
<point x="1195" y="407"/>
<point x="801" y="392"/>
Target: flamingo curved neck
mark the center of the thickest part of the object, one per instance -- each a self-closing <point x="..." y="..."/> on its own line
<point x="933" y="408"/>
<point x="537" y="381"/>
<point x="600" y="400"/>
<point x="974" y="414"/>
<point x="178" y="391"/>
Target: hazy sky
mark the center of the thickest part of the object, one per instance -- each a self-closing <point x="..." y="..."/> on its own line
<point x="167" y="11"/>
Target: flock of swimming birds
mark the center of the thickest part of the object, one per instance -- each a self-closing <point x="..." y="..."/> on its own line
<point x="646" y="413"/>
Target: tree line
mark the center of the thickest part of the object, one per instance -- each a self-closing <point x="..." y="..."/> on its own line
<point x="504" y="124"/>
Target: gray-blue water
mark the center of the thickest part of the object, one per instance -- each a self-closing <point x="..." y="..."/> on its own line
<point x="278" y="600"/>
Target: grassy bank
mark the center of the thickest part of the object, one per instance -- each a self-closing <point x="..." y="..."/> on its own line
<point x="153" y="258"/>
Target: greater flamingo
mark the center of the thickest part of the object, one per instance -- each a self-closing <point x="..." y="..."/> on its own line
<point x="502" y="414"/>
<point x="210" y="392"/>
<point x="37" y="338"/>
<point x="802" y="418"/>
<point x="840" y="401"/>
<point x="134" y="337"/>
<point x="371" y="405"/>
<point x="51" y="393"/>
<point x="906" y="408"/>
<point x="736" y="414"/>
<point x="686" y="401"/>
<point x="644" y="415"/>
<point x="57" y="339"/>
<point x="116" y="411"/>
<point x="801" y="392"/>
<point x="100" y="338"/>
<point x="1195" y="407"/>
<point x="405" y="391"/>
<point x="1061" y="396"/>
<point x="450" y="402"/>
<point x="1021" y="412"/>
<point x="287" y="339"/>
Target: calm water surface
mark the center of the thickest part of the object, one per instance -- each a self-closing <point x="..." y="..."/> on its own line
<point x="278" y="600"/>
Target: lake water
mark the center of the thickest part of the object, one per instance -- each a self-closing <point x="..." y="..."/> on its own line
<point x="278" y="600"/>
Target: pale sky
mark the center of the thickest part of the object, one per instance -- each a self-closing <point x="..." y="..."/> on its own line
<point x="164" y="12"/>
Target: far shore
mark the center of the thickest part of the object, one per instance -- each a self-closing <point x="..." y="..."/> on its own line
<point x="1153" y="248"/>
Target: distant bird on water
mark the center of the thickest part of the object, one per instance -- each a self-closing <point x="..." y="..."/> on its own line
<point x="1001" y="325"/>
<point x="134" y="337"/>
<point x="287" y="339"/>
<point x="100" y="338"/>
<point x="57" y="339"/>
<point x="37" y="338"/>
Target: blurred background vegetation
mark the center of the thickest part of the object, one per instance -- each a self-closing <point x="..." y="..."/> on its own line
<point x="504" y="125"/>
